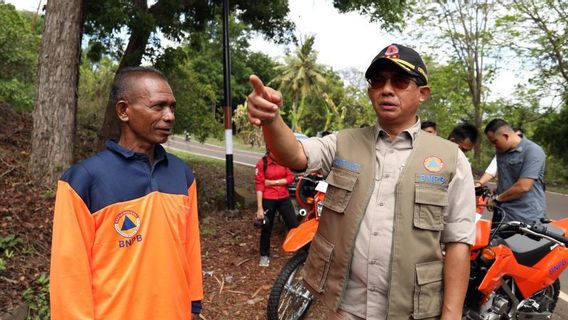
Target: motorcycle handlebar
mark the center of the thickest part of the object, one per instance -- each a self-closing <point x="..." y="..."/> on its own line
<point x="543" y="230"/>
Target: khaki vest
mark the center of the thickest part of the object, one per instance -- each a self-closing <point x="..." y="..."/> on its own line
<point x="416" y="270"/>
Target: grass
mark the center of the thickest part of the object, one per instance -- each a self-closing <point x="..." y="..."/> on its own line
<point x="193" y="158"/>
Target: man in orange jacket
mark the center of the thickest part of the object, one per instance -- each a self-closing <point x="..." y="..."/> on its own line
<point x="125" y="232"/>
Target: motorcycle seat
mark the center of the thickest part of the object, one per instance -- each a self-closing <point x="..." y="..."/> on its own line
<point x="528" y="251"/>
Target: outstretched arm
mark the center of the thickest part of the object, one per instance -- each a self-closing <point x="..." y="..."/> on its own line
<point x="263" y="106"/>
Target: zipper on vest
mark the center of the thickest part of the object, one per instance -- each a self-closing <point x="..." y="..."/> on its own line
<point x="395" y="220"/>
<point x="348" y="270"/>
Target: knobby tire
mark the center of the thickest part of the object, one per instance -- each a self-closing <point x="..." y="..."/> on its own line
<point x="279" y="304"/>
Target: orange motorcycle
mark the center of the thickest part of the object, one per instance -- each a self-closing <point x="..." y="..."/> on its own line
<point x="289" y="299"/>
<point x="515" y="268"/>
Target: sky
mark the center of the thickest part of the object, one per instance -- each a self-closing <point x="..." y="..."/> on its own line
<point x="343" y="41"/>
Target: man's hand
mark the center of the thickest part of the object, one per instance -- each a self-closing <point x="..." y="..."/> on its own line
<point x="263" y="102"/>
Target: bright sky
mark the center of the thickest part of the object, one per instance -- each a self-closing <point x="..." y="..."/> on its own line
<point x="343" y="41"/>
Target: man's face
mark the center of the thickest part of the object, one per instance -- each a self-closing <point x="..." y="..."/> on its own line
<point x="465" y="145"/>
<point x="396" y="97"/>
<point x="500" y="140"/>
<point x="431" y="130"/>
<point x="151" y="110"/>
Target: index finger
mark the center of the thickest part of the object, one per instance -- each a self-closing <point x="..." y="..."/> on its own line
<point x="257" y="85"/>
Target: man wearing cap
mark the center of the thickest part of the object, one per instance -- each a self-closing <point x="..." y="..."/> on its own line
<point x="396" y="195"/>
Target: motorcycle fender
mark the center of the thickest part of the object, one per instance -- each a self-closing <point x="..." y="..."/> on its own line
<point x="300" y="236"/>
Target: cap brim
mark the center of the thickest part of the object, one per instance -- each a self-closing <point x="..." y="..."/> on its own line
<point x="382" y="62"/>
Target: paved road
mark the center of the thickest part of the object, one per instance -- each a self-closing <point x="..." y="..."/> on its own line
<point x="557" y="203"/>
<point x="241" y="157"/>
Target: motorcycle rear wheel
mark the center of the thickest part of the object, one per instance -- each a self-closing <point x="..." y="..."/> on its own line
<point x="289" y="299"/>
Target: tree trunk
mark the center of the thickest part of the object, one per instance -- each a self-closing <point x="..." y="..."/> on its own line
<point x="56" y="96"/>
<point x="132" y="57"/>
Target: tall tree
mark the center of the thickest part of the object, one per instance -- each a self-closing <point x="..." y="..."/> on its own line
<point x="538" y="31"/>
<point x="468" y="26"/>
<point x="300" y="75"/>
<point x="173" y="19"/>
<point x="56" y="98"/>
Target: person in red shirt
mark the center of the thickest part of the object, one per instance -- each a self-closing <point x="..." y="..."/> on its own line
<point x="271" y="184"/>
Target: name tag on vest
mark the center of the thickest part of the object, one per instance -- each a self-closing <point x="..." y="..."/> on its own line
<point x="347" y="164"/>
<point x="431" y="178"/>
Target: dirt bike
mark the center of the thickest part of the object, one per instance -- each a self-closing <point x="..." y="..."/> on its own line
<point x="289" y="299"/>
<point x="515" y="268"/>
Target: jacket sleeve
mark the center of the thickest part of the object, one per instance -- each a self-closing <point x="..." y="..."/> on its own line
<point x="259" y="177"/>
<point x="72" y="242"/>
<point x="194" y="252"/>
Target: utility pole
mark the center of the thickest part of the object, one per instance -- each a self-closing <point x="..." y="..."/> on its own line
<point x="228" y="110"/>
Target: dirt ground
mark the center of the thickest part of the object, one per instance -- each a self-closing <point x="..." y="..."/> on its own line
<point x="235" y="286"/>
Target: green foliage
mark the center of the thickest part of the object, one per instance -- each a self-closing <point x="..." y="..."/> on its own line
<point x="389" y="14"/>
<point x="195" y="94"/>
<point x="537" y="31"/>
<point x="249" y="133"/>
<point x="9" y="242"/>
<point x="2" y="265"/>
<point x="552" y="132"/>
<point x="94" y="88"/>
<point x="195" y="72"/>
<point x="450" y="101"/>
<point x="301" y="76"/>
<point x="37" y="298"/>
<point x="18" y="57"/>
<point x="175" y="19"/>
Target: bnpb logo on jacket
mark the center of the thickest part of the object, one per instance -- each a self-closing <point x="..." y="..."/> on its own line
<point x="127" y="223"/>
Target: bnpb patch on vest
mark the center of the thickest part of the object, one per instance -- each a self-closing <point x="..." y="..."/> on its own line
<point x="347" y="164"/>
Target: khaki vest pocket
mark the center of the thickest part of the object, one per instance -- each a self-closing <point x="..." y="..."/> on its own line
<point x="318" y="263"/>
<point x="340" y="188"/>
<point x="428" y="208"/>
<point x="428" y="290"/>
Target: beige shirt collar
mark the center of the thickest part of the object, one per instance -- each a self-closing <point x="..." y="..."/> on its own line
<point x="409" y="133"/>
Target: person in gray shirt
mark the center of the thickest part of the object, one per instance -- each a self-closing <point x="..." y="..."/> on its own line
<point x="520" y="168"/>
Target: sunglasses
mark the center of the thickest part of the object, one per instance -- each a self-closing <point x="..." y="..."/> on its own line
<point x="399" y="82"/>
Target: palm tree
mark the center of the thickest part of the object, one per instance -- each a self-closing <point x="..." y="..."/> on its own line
<point x="301" y="76"/>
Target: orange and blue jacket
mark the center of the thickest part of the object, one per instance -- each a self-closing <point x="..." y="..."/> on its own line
<point x="126" y="239"/>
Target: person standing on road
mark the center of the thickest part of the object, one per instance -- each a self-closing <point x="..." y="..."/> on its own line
<point x="491" y="170"/>
<point x="271" y="184"/>
<point x="396" y="194"/>
<point x="125" y="231"/>
<point x="520" y="167"/>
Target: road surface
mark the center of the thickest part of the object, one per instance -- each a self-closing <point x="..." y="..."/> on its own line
<point x="557" y="203"/>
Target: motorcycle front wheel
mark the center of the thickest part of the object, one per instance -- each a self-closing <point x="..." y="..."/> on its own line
<point x="289" y="299"/>
<point x="545" y="300"/>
